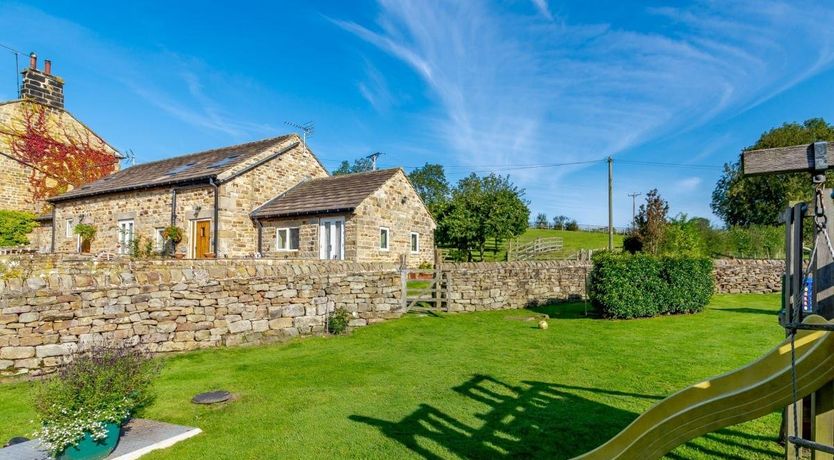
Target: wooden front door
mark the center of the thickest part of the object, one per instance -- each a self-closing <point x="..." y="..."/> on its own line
<point x="202" y="239"/>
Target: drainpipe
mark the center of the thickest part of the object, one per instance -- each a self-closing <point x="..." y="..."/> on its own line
<point x="260" y="235"/>
<point x="173" y="207"/>
<point x="173" y="246"/>
<point x="52" y="242"/>
<point x="216" y="216"/>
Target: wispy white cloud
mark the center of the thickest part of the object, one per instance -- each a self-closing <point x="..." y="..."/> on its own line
<point x="689" y="184"/>
<point x="180" y="86"/>
<point x="543" y="8"/>
<point x="375" y="89"/>
<point x="512" y="91"/>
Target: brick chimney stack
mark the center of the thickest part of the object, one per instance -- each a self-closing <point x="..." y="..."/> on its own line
<point x="41" y="86"/>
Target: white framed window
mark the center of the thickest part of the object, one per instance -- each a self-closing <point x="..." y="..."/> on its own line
<point x="158" y="239"/>
<point x="384" y="236"/>
<point x="70" y="229"/>
<point x="126" y="232"/>
<point x="286" y="239"/>
<point x="415" y="242"/>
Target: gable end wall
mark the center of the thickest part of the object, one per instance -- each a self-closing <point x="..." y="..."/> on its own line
<point x="240" y="196"/>
<point x="396" y="206"/>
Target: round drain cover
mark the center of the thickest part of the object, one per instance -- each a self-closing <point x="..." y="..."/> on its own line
<point x="212" y="397"/>
<point x="16" y="440"/>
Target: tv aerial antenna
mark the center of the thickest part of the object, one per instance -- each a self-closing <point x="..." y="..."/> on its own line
<point x="307" y="129"/>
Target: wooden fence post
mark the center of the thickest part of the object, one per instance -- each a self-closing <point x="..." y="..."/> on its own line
<point x="404" y="288"/>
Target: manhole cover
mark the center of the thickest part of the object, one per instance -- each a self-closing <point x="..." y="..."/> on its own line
<point x="16" y="440"/>
<point x="212" y="397"/>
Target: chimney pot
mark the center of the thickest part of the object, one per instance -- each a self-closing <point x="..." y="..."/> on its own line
<point x="47" y="66"/>
<point x="33" y="60"/>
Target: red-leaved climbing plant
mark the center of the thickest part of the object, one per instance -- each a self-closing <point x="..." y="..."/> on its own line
<point x="61" y="156"/>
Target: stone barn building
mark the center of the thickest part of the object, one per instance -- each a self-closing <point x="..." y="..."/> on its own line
<point x="268" y="198"/>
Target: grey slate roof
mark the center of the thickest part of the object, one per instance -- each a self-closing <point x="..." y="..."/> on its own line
<point x="326" y="194"/>
<point x="182" y="169"/>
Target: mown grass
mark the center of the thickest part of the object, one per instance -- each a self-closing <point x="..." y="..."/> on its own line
<point x="573" y="242"/>
<point x="475" y="385"/>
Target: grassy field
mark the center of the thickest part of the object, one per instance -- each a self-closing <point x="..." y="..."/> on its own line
<point x="573" y="242"/>
<point x="476" y="385"/>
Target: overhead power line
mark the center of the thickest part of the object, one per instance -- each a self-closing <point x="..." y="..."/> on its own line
<point x="671" y="165"/>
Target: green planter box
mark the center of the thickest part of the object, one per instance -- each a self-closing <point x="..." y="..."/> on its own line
<point x="90" y="449"/>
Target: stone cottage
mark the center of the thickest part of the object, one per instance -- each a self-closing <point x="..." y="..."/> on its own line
<point x="243" y="201"/>
<point x="40" y="106"/>
<point x="374" y="216"/>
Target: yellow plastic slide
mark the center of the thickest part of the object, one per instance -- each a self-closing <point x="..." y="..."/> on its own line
<point x="755" y="390"/>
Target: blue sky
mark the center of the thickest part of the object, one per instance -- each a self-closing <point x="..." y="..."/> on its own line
<point x="474" y="85"/>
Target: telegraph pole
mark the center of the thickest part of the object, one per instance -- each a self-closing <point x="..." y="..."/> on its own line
<point x="373" y="158"/>
<point x="610" y="203"/>
<point x="634" y="206"/>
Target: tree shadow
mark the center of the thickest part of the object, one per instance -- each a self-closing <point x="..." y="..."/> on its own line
<point x="530" y="420"/>
<point x="758" y="311"/>
<point x="571" y="309"/>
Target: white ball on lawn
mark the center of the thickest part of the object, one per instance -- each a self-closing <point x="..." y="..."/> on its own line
<point x="543" y="324"/>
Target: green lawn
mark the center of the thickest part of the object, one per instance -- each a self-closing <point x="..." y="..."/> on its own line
<point x="475" y="385"/>
<point x="573" y="242"/>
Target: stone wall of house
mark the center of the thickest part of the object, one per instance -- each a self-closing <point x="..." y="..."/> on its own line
<point x="397" y="207"/>
<point x="734" y="276"/>
<point x="240" y="196"/>
<point x="308" y="237"/>
<point x="15" y="190"/>
<point x="149" y="209"/>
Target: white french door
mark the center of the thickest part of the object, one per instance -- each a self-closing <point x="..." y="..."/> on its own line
<point x="332" y="238"/>
<point x="125" y="236"/>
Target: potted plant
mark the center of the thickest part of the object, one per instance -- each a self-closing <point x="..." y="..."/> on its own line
<point x="82" y="408"/>
<point x="173" y="236"/>
<point x="86" y="232"/>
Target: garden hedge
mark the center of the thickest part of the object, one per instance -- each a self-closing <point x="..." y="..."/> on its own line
<point x="14" y="226"/>
<point x="640" y="285"/>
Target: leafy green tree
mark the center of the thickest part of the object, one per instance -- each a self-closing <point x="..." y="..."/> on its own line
<point x="760" y="200"/>
<point x="482" y="208"/>
<point x="541" y="220"/>
<point x="14" y="226"/>
<point x="685" y="236"/>
<point x="359" y="165"/>
<point x="430" y="183"/>
<point x="560" y="222"/>
<point x="651" y="222"/>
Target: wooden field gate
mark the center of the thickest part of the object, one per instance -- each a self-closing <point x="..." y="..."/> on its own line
<point x="425" y="290"/>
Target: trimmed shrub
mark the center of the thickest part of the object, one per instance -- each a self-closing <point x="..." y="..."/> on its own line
<point x="14" y="226"/>
<point x="337" y="322"/>
<point x="640" y="285"/>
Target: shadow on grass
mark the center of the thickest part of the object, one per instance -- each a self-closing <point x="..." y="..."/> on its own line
<point x="531" y="420"/>
<point x="572" y="309"/>
<point x="758" y="311"/>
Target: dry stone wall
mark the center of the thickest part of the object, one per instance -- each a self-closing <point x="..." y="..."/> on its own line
<point x="733" y="276"/>
<point x="52" y="306"/>
<point x="178" y="306"/>
<point x="494" y="286"/>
